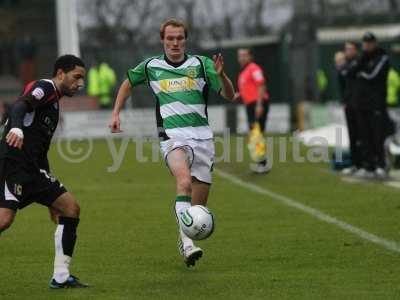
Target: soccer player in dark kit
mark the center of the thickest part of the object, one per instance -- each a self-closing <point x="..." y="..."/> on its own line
<point x="24" y="169"/>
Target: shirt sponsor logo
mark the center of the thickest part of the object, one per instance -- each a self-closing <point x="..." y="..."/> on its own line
<point x="177" y="85"/>
<point x="192" y="72"/>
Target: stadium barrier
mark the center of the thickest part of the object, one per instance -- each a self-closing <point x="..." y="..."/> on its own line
<point x="142" y="122"/>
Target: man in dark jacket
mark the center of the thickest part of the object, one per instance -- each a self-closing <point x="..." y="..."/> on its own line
<point x="373" y="119"/>
<point x="350" y="93"/>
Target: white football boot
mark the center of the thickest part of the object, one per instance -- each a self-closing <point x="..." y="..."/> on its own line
<point x="349" y="171"/>
<point x="364" y="174"/>
<point x="190" y="253"/>
<point x="381" y="174"/>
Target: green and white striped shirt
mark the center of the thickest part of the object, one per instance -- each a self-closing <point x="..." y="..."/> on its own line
<point x="181" y="93"/>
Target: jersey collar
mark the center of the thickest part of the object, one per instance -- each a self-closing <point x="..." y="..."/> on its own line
<point x="58" y="93"/>
<point x="175" y="64"/>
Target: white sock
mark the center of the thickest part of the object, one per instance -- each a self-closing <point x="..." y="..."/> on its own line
<point x="61" y="261"/>
<point x="182" y="203"/>
<point x="181" y="206"/>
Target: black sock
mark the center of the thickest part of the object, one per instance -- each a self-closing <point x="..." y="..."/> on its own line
<point x="69" y="234"/>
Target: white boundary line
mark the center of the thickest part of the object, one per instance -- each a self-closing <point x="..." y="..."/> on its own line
<point x="387" y="244"/>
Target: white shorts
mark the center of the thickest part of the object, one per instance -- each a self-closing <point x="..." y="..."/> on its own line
<point x="200" y="155"/>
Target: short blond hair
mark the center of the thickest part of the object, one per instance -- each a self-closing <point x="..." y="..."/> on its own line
<point x="174" y="23"/>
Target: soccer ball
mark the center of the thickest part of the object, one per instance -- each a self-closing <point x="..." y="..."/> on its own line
<point x="197" y="222"/>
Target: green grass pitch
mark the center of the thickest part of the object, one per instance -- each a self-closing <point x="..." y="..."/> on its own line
<point x="261" y="249"/>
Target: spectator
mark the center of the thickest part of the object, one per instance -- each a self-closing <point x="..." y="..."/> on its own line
<point x="350" y="98"/>
<point x="101" y="83"/>
<point x="322" y="83"/>
<point x="373" y="119"/>
<point x="393" y="88"/>
<point x="340" y="61"/>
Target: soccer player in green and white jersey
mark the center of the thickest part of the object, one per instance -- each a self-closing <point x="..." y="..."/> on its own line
<point x="180" y="83"/>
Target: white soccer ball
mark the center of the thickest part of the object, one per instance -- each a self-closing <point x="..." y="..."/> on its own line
<point x="197" y="222"/>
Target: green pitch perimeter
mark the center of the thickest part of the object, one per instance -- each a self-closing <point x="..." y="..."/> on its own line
<point x="261" y="249"/>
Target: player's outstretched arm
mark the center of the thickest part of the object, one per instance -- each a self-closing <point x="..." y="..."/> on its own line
<point x="228" y="91"/>
<point x="123" y="93"/>
<point x="15" y="137"/>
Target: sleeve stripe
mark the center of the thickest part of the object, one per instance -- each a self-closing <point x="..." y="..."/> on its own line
<point x="377" y="69"/>
<point x="28" y="87"/>
<point x="51" y="97"/>
<point x="203" y="68"/>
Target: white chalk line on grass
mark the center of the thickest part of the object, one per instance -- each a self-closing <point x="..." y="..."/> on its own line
<point x="388" y="244"/>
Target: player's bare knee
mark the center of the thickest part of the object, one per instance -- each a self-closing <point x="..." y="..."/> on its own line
<point x="74" y="210"/>
<point x="67" y="206"/>
<point x="71" y="210"/>
<point x="5" y="222"/>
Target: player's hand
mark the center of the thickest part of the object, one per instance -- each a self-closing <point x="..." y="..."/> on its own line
<point x="115" y="124"/>
<point x="219" y="63"/>
<point x="259" y="111"/>
<point x="236" y="97"/>
<point x="15" y="138"/>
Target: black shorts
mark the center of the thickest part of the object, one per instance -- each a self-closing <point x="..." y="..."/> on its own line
<point x="23" y="184"/>
<point x="251" y="115"/>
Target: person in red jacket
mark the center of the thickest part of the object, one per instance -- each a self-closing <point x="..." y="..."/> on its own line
<point x="254" y="95"/>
